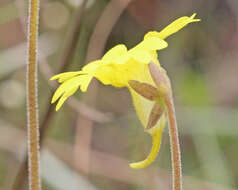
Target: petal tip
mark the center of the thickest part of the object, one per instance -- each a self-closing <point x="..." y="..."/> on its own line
<point x="165" y="44"/>
<point x="197" y="20"/>
<point x="58" y="106"/>
<point x="193" y="16"/>
<point x="156" y="136"/>
<point x="53" y="100"/>
<point x="135" y="166"/>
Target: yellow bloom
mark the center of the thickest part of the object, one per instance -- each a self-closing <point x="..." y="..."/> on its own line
<point x="121" y="67"/>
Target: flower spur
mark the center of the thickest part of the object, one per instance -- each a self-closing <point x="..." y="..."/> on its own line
<point x="139" y="70"/>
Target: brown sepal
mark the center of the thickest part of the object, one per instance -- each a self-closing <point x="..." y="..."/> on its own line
<point x="155" y="115"/>
<point x="146" y="90"/>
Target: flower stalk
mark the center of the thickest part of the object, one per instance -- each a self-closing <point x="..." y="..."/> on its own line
<point x="165" y="92"/>
<point x="174" y="145"/>
<point x="32" y="103"/>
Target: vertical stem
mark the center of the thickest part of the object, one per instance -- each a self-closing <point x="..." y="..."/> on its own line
<point x="32" y="104"/>
<point x="164" y="89"/>
<point x="174" y="144"/>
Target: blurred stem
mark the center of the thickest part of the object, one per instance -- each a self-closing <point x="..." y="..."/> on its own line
<point x="97" y="42"/>
<point x="174" y="144"/>
<point x="32" y="103"/>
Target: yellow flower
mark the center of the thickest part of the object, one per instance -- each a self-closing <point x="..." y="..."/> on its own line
<point x="121" y="67"/>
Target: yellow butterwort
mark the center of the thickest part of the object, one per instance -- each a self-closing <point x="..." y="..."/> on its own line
<point x="121" y="67"/>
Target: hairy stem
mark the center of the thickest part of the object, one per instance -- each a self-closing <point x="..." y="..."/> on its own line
<point x="32" y="104"/>
<point x="164" y="89"/>
<point x="71" y="39"/>
<point x="174" y="144"/>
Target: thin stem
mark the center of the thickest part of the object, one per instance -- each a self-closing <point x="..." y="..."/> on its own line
<point x="164" y="89"/>
<point x="174" y="144"/>
<point x="32" y="103"/>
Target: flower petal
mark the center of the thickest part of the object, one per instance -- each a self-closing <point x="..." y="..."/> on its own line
<point x="92" y="66"/>
<point x="151" y="34"/>
<point x="122" y="59"/>
<point x="66" y="86"/>
<point x="68" y="76"/>
<point x="152" y="44"/>
<point x="177" y="25"/>
<point x="141" y="55"/>
<point x="85" y="80"/>
<point x="156" y="138"/>
<point x="118" y="73"/>
<point x="115" y="52"/>
<point x="142" y="106"/>
<point x="69" y="87"/>
<point x="143" y="109"/>
<point x="65" y="96"/>
<point x="172" y="28"/>
<point x="65" y="76"/>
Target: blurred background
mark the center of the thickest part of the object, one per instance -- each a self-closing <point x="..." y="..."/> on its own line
<point x="89" y="142"/>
